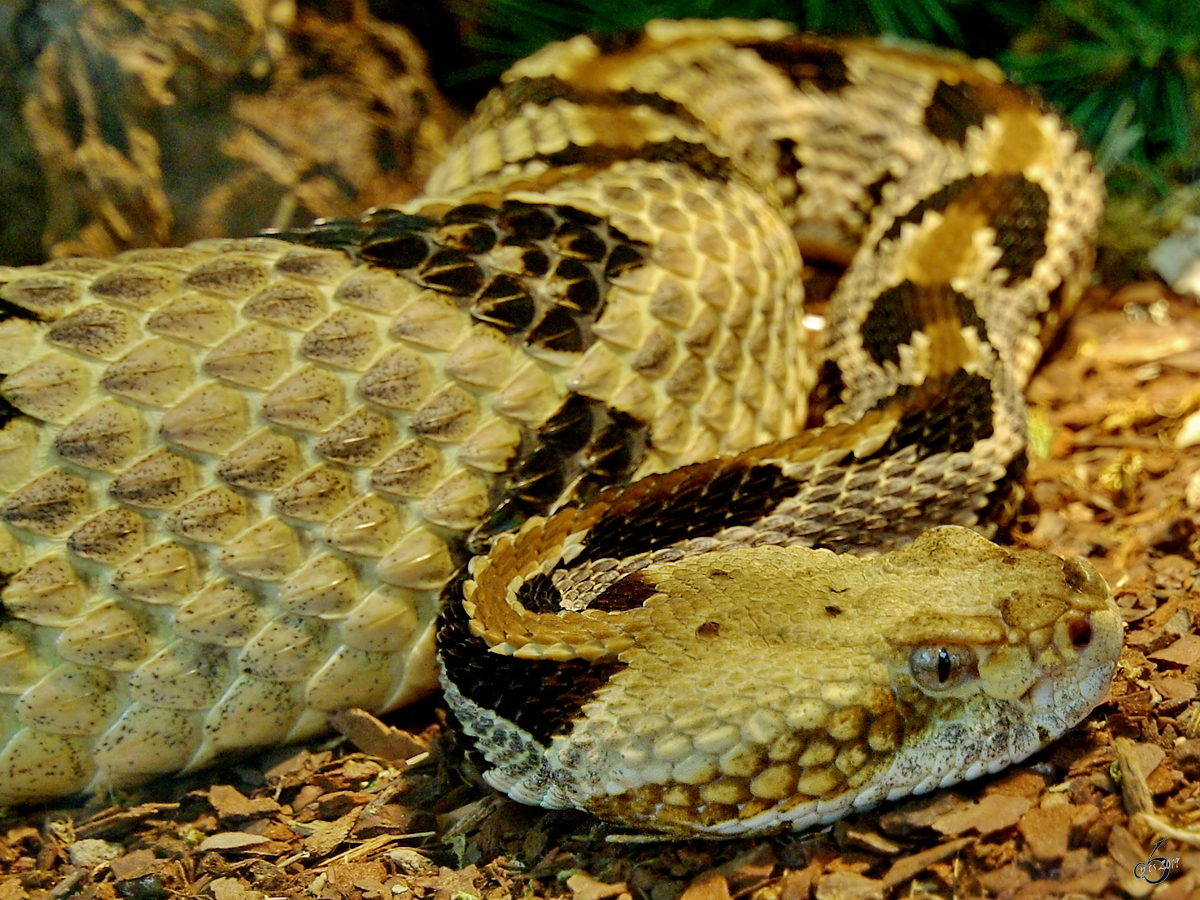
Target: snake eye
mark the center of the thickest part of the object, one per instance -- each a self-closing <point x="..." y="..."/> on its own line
<point x="941" y="668"/>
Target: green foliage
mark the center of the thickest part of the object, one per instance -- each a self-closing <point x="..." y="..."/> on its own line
<point x="515" y="28"/>
<point x="1126" y="75"/>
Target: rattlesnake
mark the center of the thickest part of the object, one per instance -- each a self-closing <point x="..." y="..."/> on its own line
<point x="240" y="474"/>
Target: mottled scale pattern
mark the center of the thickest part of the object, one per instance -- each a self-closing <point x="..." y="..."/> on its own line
<point x="238" y="476"/>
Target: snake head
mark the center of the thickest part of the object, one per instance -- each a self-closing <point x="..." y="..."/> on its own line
<point x="1006" y="624"/>
<point x="762" y="687"/>
<point x="1004" y="651"/>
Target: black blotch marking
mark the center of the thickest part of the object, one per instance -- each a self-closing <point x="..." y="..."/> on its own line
<point x="833" y="611"/>
<point x="558" y="331"/>
<point x="900" y="312"/>
<point x="539" y="595"/>
<point x="506" y="304"/>
<point x="968" y="316"/>
<point x="1014" y="206"/>
<point x="12" y="311"/>
<point x="953" y="109"/>
<point x="405" y="252"/>
<point x="8" y="412"/>
<point x="31" y="32"/>
<point x="543" y="90"/>
<point x="573" y="239"/>
<point x="1004" y="502"/>
<point x="622" y="259"/>
<point x="875" y="188"/>
<point x="805" y="61"/>
<point x="374" y="235"/>
<point x="536" y="480"/>
<point x="620" y="41"/>
<point x="697" y="157"/>
<point x="1020" y="219"/>
<point x="584" y="444"/>
<point x="571" y="214"/>
<point x="570" y="427"/>
<point x="937" y="201"/>
<point x="535" y="262"/>
<point x="701" y="504"/>
<point x="950" y="415"/>
<point x="470" y="213"/>
<point x="709" y="630"/>
<point x="571" y="270"/>
<point x="826" y="393"/>
<point x="579" y="251"/>
<point x="453" y="272"/>
<point x="469" y="237"/>
<point x="892" y="321"/>
<point x="583" y="296"/>
<point x="525" y="222"/>
<point x="789" y="167"/>
<point x="540" y="696"/>
<point x="617" y="447"/>
<point x="628" y="593"/>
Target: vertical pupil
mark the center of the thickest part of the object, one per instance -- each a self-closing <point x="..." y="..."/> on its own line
<point x="944" y="665"/>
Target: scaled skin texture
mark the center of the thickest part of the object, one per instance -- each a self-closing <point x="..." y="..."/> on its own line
<point x="776" y="687"/>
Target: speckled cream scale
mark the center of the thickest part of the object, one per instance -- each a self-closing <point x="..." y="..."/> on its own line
<point x="241" y="477"/>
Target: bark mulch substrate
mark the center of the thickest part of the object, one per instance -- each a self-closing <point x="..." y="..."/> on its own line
<point x="1116" y="478"/>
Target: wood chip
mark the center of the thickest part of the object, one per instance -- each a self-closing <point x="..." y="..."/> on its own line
<point x="994" y="812"/>
<point x="848" y="886"/>
<point x="230" y="803"/>
<point x="372" y="736"/>
<point x="326" y="836"/>
<point x="232" y="889"/>
<point x="1048" y="830"/>
<point x="137" y="864"/>
<point x="1135" y="764"/>
<point x="1183" y="652"/>
<point x="585" y="887"/>
<point x="231" y="840"/>
<point x="904" y="869"/>
<point x="708" y="886"/>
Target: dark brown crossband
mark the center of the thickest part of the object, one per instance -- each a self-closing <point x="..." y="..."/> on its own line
<point x="806" y="61"/>
<point x="542" y="697"/>
<point x="902" y="311"/>
<point x="1014" y="206"/>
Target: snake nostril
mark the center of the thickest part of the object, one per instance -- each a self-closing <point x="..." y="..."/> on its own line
<point x="1080" y="633"/>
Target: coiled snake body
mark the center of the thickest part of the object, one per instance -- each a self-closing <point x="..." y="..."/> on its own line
<point x="239" y="475"/>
